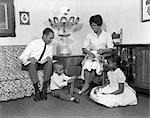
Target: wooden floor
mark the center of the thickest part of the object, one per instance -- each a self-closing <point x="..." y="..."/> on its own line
<point x="56" y="108"/>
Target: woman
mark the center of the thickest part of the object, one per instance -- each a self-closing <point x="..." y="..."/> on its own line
<point x="97" y="43"/>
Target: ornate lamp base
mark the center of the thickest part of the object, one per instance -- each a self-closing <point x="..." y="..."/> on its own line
<point x="63" y="49"/>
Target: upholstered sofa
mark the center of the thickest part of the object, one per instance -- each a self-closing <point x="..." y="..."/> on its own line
<point x="14" y="82"/>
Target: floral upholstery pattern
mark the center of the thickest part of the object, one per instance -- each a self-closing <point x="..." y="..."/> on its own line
<point x="14" y="82"/>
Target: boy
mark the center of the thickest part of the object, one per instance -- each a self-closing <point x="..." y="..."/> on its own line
<point x="60" y="84"/>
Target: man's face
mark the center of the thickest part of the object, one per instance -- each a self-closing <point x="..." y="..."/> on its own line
<point x="48" y="38"/>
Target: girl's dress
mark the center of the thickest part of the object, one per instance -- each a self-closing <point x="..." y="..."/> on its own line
<point x="128" y="97"/>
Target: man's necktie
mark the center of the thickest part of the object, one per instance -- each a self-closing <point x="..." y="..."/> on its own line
<point x="42" y="53"/>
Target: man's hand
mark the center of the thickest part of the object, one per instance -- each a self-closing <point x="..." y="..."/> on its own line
<point x="96" y="90"/>
<point x="32" y="60"/>
<point x="45" y="60"/>
<point x="48" y="58"/>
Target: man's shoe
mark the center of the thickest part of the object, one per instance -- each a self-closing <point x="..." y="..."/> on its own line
<point x="44" y="91"/>
<point x="37" y="96"/>
<point x="43" y="95"/>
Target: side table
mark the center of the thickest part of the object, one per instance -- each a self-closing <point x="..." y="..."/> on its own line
<point x="72" y="63"/>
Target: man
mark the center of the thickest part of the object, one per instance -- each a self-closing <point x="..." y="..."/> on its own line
<point x="36" y="56"/>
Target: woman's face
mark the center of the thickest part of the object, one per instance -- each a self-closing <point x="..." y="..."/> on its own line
<point x="95" y="27"/>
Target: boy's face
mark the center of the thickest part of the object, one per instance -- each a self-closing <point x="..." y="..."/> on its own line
<point x="59" y="69"/>
<point x="48" y="38"/>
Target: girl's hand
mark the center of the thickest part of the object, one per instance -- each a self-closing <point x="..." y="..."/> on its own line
<point x="96" y="90"/>
<point x="106" y="93"/>
<point x="70" y="80"/>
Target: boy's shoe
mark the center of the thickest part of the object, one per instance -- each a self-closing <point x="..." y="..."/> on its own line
<point x="76" y="100"/>
<point x="80" y="92"/>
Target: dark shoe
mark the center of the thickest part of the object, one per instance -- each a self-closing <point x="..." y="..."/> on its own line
<point x="76" y="100"/>
<point x="37" y="92"/>
<point x="44" y="91"/>
<point x="37" y="96"/>
<point x="43" y="95"/>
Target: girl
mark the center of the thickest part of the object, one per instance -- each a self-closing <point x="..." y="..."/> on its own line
<point x="116" y="92"/>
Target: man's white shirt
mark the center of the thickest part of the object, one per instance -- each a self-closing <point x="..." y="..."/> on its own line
<point x="35" y="49"/>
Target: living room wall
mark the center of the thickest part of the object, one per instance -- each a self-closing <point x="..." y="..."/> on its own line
<point x="117" y="14"/>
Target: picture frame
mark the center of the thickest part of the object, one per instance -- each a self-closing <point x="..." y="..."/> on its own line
<point x="145" y="6"/>
<point x="7" y="18"/>
<point x="24" y="18"/>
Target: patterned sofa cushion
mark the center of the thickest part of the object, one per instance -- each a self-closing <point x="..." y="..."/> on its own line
<point x="14" y="82"/>
<point x="9" y="56"/>
<point x="10" y="65"/>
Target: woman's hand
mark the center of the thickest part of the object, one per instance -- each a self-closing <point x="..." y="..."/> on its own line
<point x="100" y="51"/>
<point x="106" y="93"/>
<point x="91" y="55"/>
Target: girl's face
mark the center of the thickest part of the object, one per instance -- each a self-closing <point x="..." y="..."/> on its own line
<point x="59" y="69"/>
<point x="111" y="65"/>
<point x="95" y="27"/>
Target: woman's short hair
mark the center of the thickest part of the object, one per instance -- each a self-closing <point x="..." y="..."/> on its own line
<point x="96" y="19"/>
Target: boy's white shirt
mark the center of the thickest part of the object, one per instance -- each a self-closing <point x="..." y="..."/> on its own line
<point x="59" y="81"/>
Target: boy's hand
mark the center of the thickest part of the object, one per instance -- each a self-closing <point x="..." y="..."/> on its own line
<point x="70" y="80"/>
<point x="32" y="60"/>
